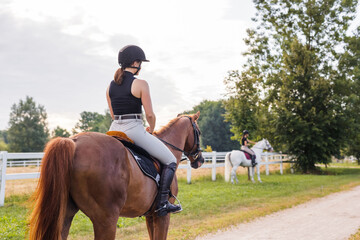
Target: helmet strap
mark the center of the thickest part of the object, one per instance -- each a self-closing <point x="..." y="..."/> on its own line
<point x="138" y="68"/>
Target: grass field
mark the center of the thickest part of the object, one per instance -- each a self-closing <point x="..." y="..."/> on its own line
<point x="207" y="205"/>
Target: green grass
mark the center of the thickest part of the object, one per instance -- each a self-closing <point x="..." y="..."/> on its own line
<point x="207" y="205"/>
<point x="355" y="236"/>
<point x="347" y="164"/>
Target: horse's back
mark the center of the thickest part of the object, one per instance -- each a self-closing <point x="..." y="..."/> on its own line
<point x="237" y="158"/>
<point x="104" y="173"/>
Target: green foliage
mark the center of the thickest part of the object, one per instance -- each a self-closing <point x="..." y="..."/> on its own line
<point x="242" y="109"/>
<point x="208" y="149"/>
<point x="294" y="56"/>
<point x="93" y="122"/>
<point x="60" y="132"/>
<point x="215" y="132"/>
<point x="3" y="145"/>
<point x="350" y="65"/>
<point x="3" y="136"/>
<point x="28" y="130"/>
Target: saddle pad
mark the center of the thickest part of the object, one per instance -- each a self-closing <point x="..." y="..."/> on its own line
<point x="247" y="155"/>
<point x="144" y="160"/>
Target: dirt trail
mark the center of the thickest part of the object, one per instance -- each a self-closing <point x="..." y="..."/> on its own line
<point x="336" y="216"/>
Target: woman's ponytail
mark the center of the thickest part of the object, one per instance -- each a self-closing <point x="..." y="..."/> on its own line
<point x="119" y="75"/>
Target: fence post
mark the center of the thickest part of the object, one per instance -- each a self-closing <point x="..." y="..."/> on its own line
<point x="281" y="164"/>
<point x="267" y="163"/>
<point x="213" y="173"/>
<point x="188" y="171"/>
<point x="3" y="162"/>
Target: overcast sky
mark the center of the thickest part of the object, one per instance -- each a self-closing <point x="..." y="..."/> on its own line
<point x="64" y="53"/>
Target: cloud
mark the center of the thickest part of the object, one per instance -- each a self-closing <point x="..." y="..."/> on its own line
<point x="59" y="70"/>
<point x="64" y="53"/>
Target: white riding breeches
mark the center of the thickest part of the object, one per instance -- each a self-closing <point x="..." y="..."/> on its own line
<point x="135" y="130"/>
<point x="248" y="150"/>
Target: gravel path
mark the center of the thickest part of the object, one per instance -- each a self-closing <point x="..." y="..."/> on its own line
<point x="336" y="216"/>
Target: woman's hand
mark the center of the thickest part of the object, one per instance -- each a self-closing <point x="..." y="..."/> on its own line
<point x="148" y="130"/>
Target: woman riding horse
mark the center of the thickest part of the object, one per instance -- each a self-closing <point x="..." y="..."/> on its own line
<point x="244" y="146"/>
<point x="125" y="95"/>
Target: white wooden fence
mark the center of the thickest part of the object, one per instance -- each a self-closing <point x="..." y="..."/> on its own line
<point x="4" y="156"/>
<point x="213" y="160"/>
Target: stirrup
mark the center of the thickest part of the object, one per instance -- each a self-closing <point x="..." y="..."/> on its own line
<point x="162" y="208"/>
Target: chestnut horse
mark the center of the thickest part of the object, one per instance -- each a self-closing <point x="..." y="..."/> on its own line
<point x="96" y="174"/>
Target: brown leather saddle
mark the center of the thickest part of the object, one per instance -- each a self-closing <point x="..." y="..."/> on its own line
<point x="134" y="149"/>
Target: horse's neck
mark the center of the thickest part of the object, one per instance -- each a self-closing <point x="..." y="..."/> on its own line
<point x="257" y="148"/>
<point x="176" y="135"/>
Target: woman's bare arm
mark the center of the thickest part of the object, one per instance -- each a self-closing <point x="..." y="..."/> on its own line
<point x="109" y="103"/>
<point x="144" y="94"/>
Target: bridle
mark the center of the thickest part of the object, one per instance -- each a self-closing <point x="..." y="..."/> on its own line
<point x="195" y="151"/>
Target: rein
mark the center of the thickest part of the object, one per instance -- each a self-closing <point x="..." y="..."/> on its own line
<point x="195" y="153"/>
<point x="174" y="147"/>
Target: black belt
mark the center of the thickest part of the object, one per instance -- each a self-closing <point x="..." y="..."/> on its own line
<point x="124" y="117"/>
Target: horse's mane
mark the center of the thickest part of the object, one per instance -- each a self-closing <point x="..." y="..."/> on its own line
<point x="167" y="126"/>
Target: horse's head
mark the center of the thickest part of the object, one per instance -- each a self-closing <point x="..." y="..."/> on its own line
<point x="264" y="144"/>
<point x="192" y="148"/>
<point x="268" y="145"/>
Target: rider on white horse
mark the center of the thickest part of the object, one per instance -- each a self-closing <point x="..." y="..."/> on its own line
<point x="244" y="146"/>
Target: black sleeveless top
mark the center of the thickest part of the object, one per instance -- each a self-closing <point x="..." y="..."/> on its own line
<point x="243" y="141"/>
<point x="122" y="100"/>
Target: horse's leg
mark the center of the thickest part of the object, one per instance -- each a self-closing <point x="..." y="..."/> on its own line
<point x="71" y="210"/>
<point x="258" y="172"/>
<point x="233" y="175"/>
<point x="105" y="227"/>
<point x="252" y="172"/>
<point x="150" y="226"/>
<point x="160" y="227"/>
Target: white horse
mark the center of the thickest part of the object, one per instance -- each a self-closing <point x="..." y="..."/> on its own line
<point x="237" y="158"/>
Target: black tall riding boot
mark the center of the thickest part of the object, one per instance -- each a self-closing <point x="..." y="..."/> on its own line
<point x="253" y="163"/>
<point x="164" y="206"/>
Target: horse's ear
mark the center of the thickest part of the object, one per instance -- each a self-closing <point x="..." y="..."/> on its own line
<point x="196" y="116"/>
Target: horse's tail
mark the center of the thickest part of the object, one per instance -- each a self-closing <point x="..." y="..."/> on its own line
<point x="52" y="192"/>
<point x="228" y="159"/>
<point x="228" y="166"/>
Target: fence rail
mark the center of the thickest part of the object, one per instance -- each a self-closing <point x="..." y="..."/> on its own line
<point x="213" y="160"/>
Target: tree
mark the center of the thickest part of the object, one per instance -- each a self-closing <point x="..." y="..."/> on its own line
<point x="93" y="122"/>
<point x="3" y="136"/>
<point x="3" y="146"/>
<point x="28" y="130"/>
<point x="3" y="140"/>
<point x="294" y="56"/>
<point x="350" y="67"/>
<point x="215" y="132"/>
<point x="60" y="132"/>
<point x="242" y="104"/>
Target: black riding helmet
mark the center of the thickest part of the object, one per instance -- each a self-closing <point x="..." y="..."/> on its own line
<point x="130" y="54"/>
<point x="245" y="132"/>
